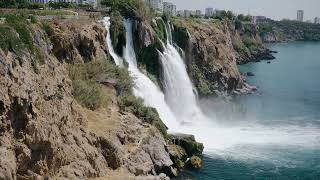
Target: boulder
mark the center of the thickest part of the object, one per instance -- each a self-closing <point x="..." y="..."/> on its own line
<point x="178" y="155"/>
<point x="188" y="143"/>
<point x="195" y="162"/>
<point x="250" y="74"/>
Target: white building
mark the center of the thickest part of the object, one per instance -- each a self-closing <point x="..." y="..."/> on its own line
<point x="300" y="15"/>
<point x="180" y="13"/>
<point x="186" y="13"/>
<point x="317" y="20"/>
<point x="155" y="4"/>
<point x="198" y="13"/>
<point x="169" y="8"/>
<point x="209" y="12"/>
<point x="94" y="3"/>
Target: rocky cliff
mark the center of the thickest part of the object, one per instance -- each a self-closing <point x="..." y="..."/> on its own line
<point x="286" y="30"/>
<point x="210" y="56"/>
<point x="52" y="75"/>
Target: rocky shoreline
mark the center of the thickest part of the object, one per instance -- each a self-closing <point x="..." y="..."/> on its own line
<point x="48" y="132"/>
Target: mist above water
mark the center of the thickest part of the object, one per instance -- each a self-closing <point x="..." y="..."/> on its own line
<point x="178" y="108"/>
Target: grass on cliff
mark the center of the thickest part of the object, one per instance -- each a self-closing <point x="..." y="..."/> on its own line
<point x="15" y="34"/>
<point x="87" y="90"/>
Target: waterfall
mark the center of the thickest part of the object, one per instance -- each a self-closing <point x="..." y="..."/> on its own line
<point x="178" y="87"/>
<point x="117" y="60"/>
<point x="144" y="87"/>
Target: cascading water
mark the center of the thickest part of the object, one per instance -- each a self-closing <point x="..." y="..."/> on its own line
<point x="117" y="60"/>
<point x="144" y="87"/>
<point x="178" y="87"/>
<point x="230" y="141"/>
<point x="218" y="139"/>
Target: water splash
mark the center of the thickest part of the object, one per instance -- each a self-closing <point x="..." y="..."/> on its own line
<point x="178" y="87"/>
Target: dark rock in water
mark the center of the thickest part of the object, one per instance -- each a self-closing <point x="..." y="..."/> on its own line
<point x="269" y="62"/>
<point x="250" y="74"/>
<point x="188" y="143"/>
<point x="195" y="162"/>
<point x="272" y="51"/>
<point x="178" y="155"/>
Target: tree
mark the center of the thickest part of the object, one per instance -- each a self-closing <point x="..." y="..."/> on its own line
<point x="7" y="3"/>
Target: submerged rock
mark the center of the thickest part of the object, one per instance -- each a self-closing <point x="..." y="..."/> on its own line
<point x="250" y="74"/>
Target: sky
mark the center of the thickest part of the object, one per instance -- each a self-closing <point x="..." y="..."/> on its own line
<point x="275" y="9"/>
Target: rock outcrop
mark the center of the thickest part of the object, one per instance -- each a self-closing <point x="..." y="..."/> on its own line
<point x="45" y="133"/>
<point x="210" y="58"/>
<point x="185" y="151"/>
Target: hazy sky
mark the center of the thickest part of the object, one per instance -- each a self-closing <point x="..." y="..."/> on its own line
<point x="277" y="9"/>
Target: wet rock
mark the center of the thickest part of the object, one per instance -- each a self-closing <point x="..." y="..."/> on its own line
<point x="250" y="74"/>
<point x="195" y="162"/>
<point x="178" y="155"/>
<point x="188" y="143"/>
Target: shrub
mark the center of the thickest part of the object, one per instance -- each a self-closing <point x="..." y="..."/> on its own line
<point x="239" y="46"/>
<point x="87" y="90"/>
<point x="9" y="41"/>
<point x="46" y="26"/>
<point x="130" y="8"/>
<point x="117" y="32"/>
<point x="20" y="24"/>
<point x="130" y="103"/>
<point x="249" y="41"/>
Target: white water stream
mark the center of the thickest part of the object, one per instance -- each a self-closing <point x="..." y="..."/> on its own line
<point x="179" y="109"/>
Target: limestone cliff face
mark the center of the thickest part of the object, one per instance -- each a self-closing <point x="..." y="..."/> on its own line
<point x="44" y="132"/>
<point x="247" y="43"/>
<point x="209" y="56"/>
<point x="78" y="42"/>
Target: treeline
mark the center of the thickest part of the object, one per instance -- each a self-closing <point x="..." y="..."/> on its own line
<point x="130" y="8"/>
<point x="289" y="28"/>
<point x="25" y="4"/>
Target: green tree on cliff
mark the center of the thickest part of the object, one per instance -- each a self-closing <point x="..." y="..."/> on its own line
<point x="129" y="8"/>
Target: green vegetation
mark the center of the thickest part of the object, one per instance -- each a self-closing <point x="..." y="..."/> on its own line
<point x="20" y="24"/>
<point x="130" y="103"/>
<point x="89" y="92"/>
<point x="9" y="40"/>
<point x="244" y="18"/>
<point x="87" y="89"/>
<point x="25" y="4"/>
<point x="291" y="29"/>
<point x="46" y="26"/>
<point x="249" y="42"/>
<point x="225" y="15"/>
<point x="130" y="8"/>
<point x="117" y="32"/>
<point x="240" y="47"/>
<point x="160" y="29"/>
<point x="59" y="5"/>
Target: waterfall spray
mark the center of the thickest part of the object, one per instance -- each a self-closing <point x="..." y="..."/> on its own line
<point x="178" y="87"/>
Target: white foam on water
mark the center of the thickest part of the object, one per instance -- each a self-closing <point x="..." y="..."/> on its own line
<point x="179" y="110"/>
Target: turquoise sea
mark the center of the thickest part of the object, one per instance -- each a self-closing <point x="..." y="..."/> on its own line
<point x="280" y="124"/>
